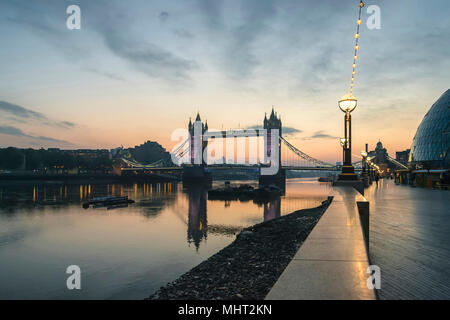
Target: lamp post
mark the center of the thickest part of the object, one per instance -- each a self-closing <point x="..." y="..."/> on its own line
<point x="347" y="104"/>
<point x="364" y="156"/>
<point x="365" y="175"/>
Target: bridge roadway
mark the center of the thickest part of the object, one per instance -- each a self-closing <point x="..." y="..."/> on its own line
<point x="230" y="167"/>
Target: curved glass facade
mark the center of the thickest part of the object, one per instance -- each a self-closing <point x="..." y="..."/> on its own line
<point x="431" y="143"/>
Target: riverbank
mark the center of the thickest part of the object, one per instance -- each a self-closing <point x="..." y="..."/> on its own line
<point x="250" y="266"/>
<point x="9" y="180"/>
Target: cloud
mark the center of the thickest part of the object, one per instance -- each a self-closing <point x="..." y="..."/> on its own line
<point x="68" y="124"/>
<point x="212" y="13"/>
<point x="286" y="130"/>
<point x="20" y="112"/>
<point x="320" y="135"/>
<point x="16" y="132"/>
<point x="109" y="75"/>
<point x="149" y="58"/>
<point x="12" y="131"/>
<point x="163" y="16"/>
<point x="23" y="114"/>
<point x="241" y="57"/>
<point x="183" y="33"/>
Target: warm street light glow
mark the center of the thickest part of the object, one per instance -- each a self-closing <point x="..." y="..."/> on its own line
<point x="355" y="56"/>
<point x="347" y="103"/>
<point x="364" y="154"/>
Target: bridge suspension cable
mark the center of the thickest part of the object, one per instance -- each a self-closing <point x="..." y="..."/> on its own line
<point x="305" y="156"/>
<point x="181" y="151"/>
<point x="135" y="164"/>
<point x="180" y="147"/>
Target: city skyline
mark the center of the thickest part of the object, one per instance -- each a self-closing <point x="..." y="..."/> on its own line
<point x="133" y="74"/>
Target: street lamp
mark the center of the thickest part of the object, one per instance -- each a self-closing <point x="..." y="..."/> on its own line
<point x="347" y="104"/>
<point x="364" y="161"/>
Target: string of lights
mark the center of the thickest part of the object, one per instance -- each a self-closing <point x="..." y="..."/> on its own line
<point x="355" y="56"/>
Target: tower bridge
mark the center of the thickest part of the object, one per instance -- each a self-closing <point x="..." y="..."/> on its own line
<point x="194" y="165"/>
<point x="277" y="153"/>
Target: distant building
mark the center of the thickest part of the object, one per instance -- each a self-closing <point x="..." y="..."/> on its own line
<point x="380" y="154"/>
<point x="89" y="153"/>
<point x="381" y="158"/>
<point x="83" y="153"/>
<point x="431" y="143"/>
<point x="402" y="156"/>
<point x="115" y="151"/>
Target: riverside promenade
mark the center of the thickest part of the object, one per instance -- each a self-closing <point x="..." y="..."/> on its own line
<point x="410" y="240"/>
<point x="332" y="262"/>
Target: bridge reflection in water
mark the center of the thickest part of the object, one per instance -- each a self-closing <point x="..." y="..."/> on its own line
<point x="225" y="224"/>
<point x="126" y="252"/>
<point x="188" y="203"/>
<point x="198" y="227"/>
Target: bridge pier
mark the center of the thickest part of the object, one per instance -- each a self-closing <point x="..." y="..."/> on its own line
<point x="278" y="179"/>
<point x="193" y="174"/>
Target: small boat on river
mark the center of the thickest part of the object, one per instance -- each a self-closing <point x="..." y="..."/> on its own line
<point x="108" y="202"/>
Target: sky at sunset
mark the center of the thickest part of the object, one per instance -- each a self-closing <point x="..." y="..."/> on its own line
<point x="137" y="70"/>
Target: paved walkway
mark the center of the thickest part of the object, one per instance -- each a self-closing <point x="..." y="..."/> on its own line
<point x="332" y="262"/>
<point x="410" y="240"/>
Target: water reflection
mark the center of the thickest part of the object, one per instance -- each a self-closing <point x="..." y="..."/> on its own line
<point x="272" y="209"/>
<point x="197" y="216"/>
<point x="189" y="203"/>
<point x="128" y="252"/>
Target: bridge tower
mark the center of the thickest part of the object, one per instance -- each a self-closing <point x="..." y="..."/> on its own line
<point x="193" y="140"/>
<point x="269" y="124"/>
<point x="196" y="171"/>
<point x="274" y="122"/>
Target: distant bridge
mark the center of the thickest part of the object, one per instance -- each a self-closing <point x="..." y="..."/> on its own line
<point x="290" y="157"/>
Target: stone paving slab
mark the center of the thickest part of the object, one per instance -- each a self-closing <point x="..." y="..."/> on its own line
<point x="342" y="249"/>
<point x="322" y="280"/>
<point x="332" y="262"/>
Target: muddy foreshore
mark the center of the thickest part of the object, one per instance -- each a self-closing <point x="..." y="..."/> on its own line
<point x="249" y="267"/>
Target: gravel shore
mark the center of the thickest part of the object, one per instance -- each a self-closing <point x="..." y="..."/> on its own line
<point x="249" y="267"/>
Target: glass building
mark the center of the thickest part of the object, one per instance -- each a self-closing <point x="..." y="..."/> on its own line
<point x="431" y="144"/>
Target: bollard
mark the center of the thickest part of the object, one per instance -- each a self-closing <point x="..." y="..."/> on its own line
<point x="364" y="217"/>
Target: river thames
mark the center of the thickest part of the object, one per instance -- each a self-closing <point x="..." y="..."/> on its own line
<point x="124" y="253"/>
